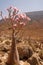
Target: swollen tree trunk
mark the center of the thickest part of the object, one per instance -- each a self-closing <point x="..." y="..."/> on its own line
<point x="13" y="57"/>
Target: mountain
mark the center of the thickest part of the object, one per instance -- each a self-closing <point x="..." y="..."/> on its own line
<point x="35" y="14"/>
<point x="36" y="19"/>
<point x="33" y="29"/>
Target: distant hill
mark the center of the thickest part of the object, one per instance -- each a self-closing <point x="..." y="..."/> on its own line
<point x="35" y="14"/>
<point x="36" y="19"/>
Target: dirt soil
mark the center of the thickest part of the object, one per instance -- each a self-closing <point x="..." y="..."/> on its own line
<point x="30" y="50"/>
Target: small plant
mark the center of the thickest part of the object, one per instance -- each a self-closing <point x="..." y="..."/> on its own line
<point x="18" y="21"/>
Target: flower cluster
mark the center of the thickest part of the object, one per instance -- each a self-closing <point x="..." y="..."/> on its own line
<point x="17" y="18"/>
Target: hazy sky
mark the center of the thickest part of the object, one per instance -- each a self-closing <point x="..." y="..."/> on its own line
<point x="24" y="5"/>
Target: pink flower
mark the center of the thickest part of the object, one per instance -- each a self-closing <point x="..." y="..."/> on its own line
<point x="12" y="18"/>
<point x="28" y="19"/>
<point x="15" y="25"/>
<point x="15" y="10"/>
<point x="22" y="23"/>
<point x="24" y="15"/>
<point x="17" y="20"/>
<point x="21" y="16"/>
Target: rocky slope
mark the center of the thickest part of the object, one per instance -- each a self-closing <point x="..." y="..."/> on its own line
<point x="30" y="51"/>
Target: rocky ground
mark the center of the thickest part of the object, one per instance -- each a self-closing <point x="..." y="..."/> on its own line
<point x="30" y="50"/>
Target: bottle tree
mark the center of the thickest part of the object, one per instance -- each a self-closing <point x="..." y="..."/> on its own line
<point x="18" y="20"/>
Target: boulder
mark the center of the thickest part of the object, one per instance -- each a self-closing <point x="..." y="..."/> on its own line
<point x="25" y="51"/>
<point x="24" y="63"/>
<point x="34" y="59"/>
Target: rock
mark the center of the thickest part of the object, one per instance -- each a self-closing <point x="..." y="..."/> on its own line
<point x="34" y="59"/>
<point x="37" y="50"/>
<point x="21" y="63"/>
<point x="2" y="63"/>
<point x="4" y="58"/>
<point x="24" y="63"/>
<point x="41" y="62"/>
<point x="24" y="52"/>
<point x="5" y="46"/>
<point x="7" y="42"/>
<point x="41" y="54"/>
